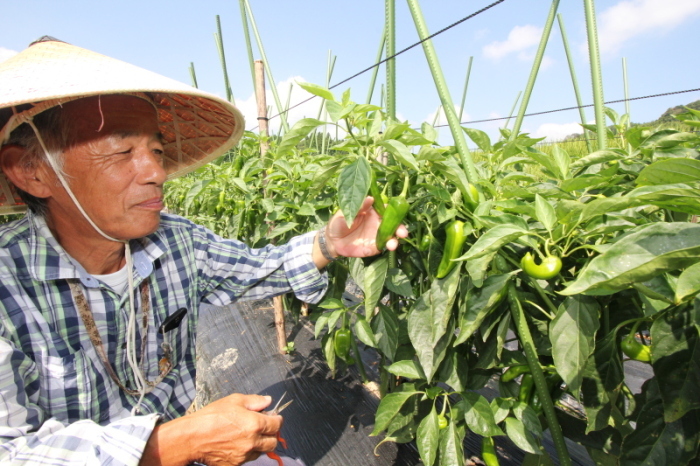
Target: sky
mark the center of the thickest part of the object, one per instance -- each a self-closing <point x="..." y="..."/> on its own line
<point x="656" y="38"/>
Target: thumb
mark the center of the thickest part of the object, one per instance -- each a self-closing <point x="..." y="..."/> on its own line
<point x="256" y="402"/>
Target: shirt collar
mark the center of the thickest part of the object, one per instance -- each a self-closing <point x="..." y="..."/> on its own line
<point x="49" y="261"/>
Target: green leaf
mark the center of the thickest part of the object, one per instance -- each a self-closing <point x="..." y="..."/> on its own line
<point x="675" y="353"/>
<point x="428" y="438"/>
<point x="638" y="257"/>
<point x="479" y="416"/>
<point x="428" y="321"/>
<point x="657" y="442"/>
<point x="492" y="241"/>
<point x="674" y="170"/>
<point x="572" y="333"/>
<point x="388" y="408"/>
<point x="688" y="284"/>
<point x="603" y="375"/>
<point x="451" y="449"/>
<point x="537" y="460"/>
<point x="282" y="229"/>
<point x="194" y="191"/>
<point x="562" y="160"/>
<point x="454" y="371"/>
<point x="315" y="89"/>
<point x="407" y="368"/>
<point x="299" y="131"/>
<point x="521" y="437"/>
<point x="480" y="138"/>
<point x="398" y="282"/>
<point x="501" y="408"/>
<point x="353" y="186"/>
<point x="455" y="174"/>
<point x="545" y="212"/>
<point x="321" y="323"/>
<point x="528" y="417"/>
<point x="374" y="277"/>
<point x="364" y="333"/>
<point x="401" y="153"/>
<point x="385" y="326"/>
<point x="479" y="303"/>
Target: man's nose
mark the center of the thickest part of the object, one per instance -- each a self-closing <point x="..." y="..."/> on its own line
<point x="150" y="167"/>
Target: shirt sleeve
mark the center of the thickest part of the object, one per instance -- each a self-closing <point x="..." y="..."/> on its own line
<point x="26" y="438"/>
<point x="230" y="270"/>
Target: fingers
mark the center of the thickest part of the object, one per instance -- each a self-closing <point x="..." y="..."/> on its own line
<point x="255" y="402"/>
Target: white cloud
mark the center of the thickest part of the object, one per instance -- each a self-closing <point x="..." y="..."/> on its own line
<point x="630" y="18"/>
<point x="519" y="39"/>
<point x="557" y="132"/>
<point x="442" y="118"/>
<point x="6" y="53"/>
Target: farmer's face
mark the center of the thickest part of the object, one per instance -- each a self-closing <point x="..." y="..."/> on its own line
<point x="114" y="167"/>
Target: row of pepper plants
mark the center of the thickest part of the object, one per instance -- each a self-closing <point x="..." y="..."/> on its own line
<point x="543" y="280"/>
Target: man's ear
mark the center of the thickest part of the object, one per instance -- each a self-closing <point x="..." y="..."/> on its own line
<point x="30" y="178"/>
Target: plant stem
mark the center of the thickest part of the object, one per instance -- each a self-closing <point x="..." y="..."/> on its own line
<point x="538" y="375"/>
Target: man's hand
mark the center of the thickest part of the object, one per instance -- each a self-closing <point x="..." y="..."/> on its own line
<point x="229" y="431"/>
<point x="360" y="239"/>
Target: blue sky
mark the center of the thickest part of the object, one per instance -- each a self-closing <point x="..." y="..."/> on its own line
<point x="658" y="38"/>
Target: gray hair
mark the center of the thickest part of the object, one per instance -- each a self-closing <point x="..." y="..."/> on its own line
<point x="54" y="133"/>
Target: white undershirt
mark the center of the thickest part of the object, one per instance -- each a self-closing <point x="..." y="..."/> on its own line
<point x="118" y="280"/>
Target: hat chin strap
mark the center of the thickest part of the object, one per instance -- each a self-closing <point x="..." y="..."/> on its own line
<point x="139" y="377"/>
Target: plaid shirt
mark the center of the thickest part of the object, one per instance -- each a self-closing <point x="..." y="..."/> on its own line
<point x="58" y="404"/>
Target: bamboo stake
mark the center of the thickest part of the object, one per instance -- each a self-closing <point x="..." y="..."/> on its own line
<point x="596" y="74"/>
<point x="222" y="57"/>
<point x="535" y="69"/>
<point x="572" y="71"/>
<point x="277" y="303"/>
<point x="268" y="71"/>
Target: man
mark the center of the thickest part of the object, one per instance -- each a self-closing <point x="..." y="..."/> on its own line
<point x="100" y="291"/>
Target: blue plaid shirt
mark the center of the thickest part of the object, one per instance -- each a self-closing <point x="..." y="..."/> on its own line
<point x="58" y="404"/>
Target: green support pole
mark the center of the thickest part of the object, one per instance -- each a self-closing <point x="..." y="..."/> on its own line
<point x="464" y="92"/>
<point x="535" y="69"/>
<point x="375" y="71"/>
<point x="572" y="71"/>
<point x="512" y="109"/>
<point x="268" y="71"/>
<point x="249" y="47"/>
<point x="596" y="74"/>
<point x="193" y="75"/>
<point x="222" y="57"/>
<point x="627" y="100"/>
<point x="444" y="93"/>
<point x="390" y="27"/>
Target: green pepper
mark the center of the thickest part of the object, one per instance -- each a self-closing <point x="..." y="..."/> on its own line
<point x="635" y="350"/>
<point x="342" y="342"/>
<point x="424" y="244"/>
<point x="488" y="452"/>
<point x="549" y="268"/>
<point x="376" y="194"/>
<point x="442" y="421"/>
<point x="514" y="371"/>
<point x="453" y="247"/>
<point x="526" y="385"/>
<point x="393" y="216"/>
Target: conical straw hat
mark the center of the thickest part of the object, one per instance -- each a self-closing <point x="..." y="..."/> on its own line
<point x="197" y="126"/>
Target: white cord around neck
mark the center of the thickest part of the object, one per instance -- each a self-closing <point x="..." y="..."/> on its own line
<point x="131" y="356"/>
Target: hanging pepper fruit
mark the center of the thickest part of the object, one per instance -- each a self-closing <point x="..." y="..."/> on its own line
<point x="393" y="216"/>
<point x="442" y="421"/>
<point x="488" y="452"/>
<point x="526" y="385"/>
<point x="376" y="194"/>
<point x="424" y="244"/>
<point x="514" y="371"/>
<point x="342" y="342"/>
<point x="453" y="247"/>
<point x="634" y="349"/>
<point x="549" y="268"/>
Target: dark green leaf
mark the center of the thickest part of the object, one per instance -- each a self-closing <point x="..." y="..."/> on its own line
<point x="602" y="378"/>
<point x="545" y="212"/>
<point x="688" y="284"/>
<point x="528" y="417"/>
<point x="638" y="257"/>
<point x="572" y="333"/>
<point x="451" y="450"/>
<point x="386" y="331"/>
<point x="675" y="353"/>
<point x="389" y="408"/>
<point x="398" y="282"/>
<point x="493" y="240"/>
<point x="479" y="303"/>
<point x="521" y="437"/>
<point x="408" y="368"/>
<point x="353" y="186"/>
<point x="374" y="276"/>
<point x="364" y="333"/>
<point x="669" y="171"/>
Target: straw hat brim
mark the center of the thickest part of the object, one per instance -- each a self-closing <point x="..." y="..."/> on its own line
<point x="197" y="127"/>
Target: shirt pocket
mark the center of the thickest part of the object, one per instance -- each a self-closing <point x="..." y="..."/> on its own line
<point x="67" y="388"/>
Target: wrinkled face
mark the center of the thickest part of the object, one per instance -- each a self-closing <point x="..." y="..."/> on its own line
<point x="113" y="166"/>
